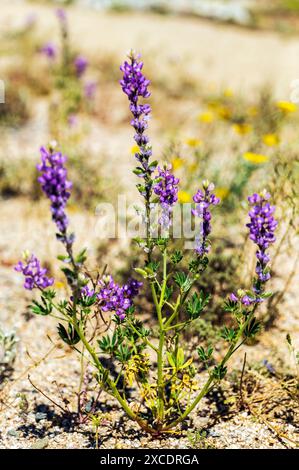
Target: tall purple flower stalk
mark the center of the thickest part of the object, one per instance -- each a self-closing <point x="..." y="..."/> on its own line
<point x="115" y="298"/>
<point x="90" y="89"/>
<point x="80" y="64"/>
<point x="262" y="226"/>
<point x="135" y="85"/>
<point x="61" y="15"/>
<point x="35" y="275"/>
<point x="55" y="185"/>
<point x="49" y="50"/>
<point x="166" y="188"/>
<point x="204" y="199"/>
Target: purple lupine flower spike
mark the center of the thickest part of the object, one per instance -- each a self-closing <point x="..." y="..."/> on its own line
<point x="90" y="89"/>
<point x="135" y="85"/>
<point x="166" y="188"/>
<point x="49" y="50"/>
<point x="204" y="199"/>
<point x="261" y="227"/>
<point x="55" y="185"/>
<point x="80" y="64"/>
<point x="61" y="15"/>
<point x="35" y="275"/>
<point x="115" y="298"/>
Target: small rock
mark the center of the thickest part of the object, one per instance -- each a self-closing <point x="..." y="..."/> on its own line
<point x="13" y="433"/>
<point x="40" y="416"/>
<point x="40" y="443"/>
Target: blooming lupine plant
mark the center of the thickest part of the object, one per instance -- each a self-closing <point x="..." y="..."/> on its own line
<point x="168" y="385"/>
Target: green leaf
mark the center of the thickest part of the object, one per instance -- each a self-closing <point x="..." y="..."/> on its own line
<point x="142" y="272"/>
<point x="153" y="164"/>
<point x="229" y="334"/>
<point x="205" y="355"/>
<point x="196" y="304"/>
<point x="253" y="327"/>
<point x="230" y="306"/>
<point x="219" y="372"/>
<point x="176" y="257"/>
<point x="81" y="257"/>
<point x="171" y="360"/>
<point x="64" y="258"/>
<point x="180" y="358"/>
<point x="69" y="336"/>
<point x="183" y="281"/>
<point x="123" y="353"/>
<point x="138" y="171"/>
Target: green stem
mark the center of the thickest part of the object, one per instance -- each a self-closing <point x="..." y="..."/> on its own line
<point x="160" y="384"/>
<point x="211" y="380"/>
<point x="142" y="337"/>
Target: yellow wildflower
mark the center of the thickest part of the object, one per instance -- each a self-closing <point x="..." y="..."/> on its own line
<point x="193" y="142"/>
<point x="193" y="167"/>
<point x="224" y="112"/>
<point x="242" y="128"/>
<point x="134" y="149"/>
<point x="73" y="208"/>
<point x="59" y="285"/>
<point x="228" y="93"/>
<point x="252" y="110"/>
<point x="255" y="158"/>
<point x="221" y="192"/>
<point x="176" y="163"/>
<point x="271" y="140"/>
<point x="286" y="106"/>
<point x="184" y="197"/>
<point x="206" y="117"/>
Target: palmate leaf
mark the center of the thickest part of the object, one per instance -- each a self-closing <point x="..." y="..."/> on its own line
<point x="253" y="328"/>
<point x="69" y="335"/>
<point x="108" y="344"/>
<point x="219" y="372"/>
<point x="183" y="281"/>
<point x="205" y="355"/>
<point x="45" y="306"/>
<point x="229" y="334"/>
<point x="196" y="304"/>
<point x="123" y="353"/>
<point x="176" y="257"/>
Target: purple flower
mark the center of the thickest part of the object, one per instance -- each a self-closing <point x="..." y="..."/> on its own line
<point x="233" y="297"/>
<point x="261" y="228"/>
<point x="87" y="292"/>
<point x="55" y="185"/>
<point x="80" y="64"/>
<point x="204" y="199"/>
<point x="61" y="15"/>
<point x="35" y="275"/>
<point x="90" y="89"/>
<point x="166" y="188"/>
<point x="115" y="298"/>
<point x="30" y="20"/>
<point x="72" y="120"/>
<point x="268" y="366"/>
<point x="135" y="85"/>
<point x="247" y="301"/>
<point x="49" y="50"/>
